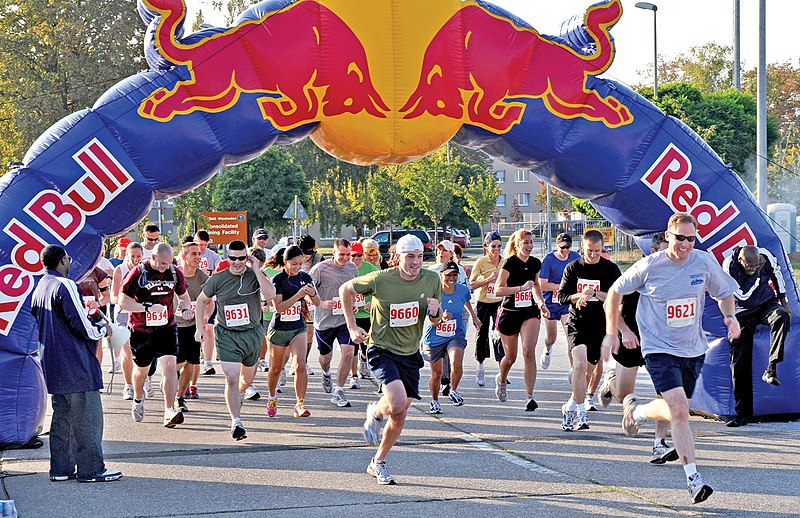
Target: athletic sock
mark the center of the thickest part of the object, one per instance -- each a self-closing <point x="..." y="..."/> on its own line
<point x="571" y="405"/>
<point x="690" y="469"/>
<point x="639" y="415"/>
<point x="327" y="372"/>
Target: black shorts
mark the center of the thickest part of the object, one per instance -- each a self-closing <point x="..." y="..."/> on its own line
<point x="629" y="357"/>
<point x="387" y="366"/>
<point x="212" y="318"/>
<point x="669" y="372"/>
<point x="326" y="337"/>
<point x="592" y="341"/>
<point x="509" y="322"/>
<point x="188" y="349"/>
<point x="145" y="347"/>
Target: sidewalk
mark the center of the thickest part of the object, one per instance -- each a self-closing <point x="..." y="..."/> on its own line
<point x="485" y="458"/>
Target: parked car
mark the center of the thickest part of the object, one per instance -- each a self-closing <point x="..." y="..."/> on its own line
<point x="454" y="235"/>
<point x="382" y="238"/>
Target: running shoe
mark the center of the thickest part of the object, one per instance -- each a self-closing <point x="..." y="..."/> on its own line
<point x="480" y="375"/>
<point x="629" y="425"/>
<point x="531" y="405"/>
<point x="699" y="491"/>
<point x="377" y="468"/>
<point x="172" y="418"/>
<point x="115" y="367"/>
<point x="181" y="404"/>
<point x="272" y="407"/>
<point x="327" y="384"/>
<point x="193" y="392"/>
<point x="339" y="399"/>
<point x="445" y="386"/>
<point x="251" y="393"/>
<point x="127" y="393"/>
<point x="149" y="391"/>
<point x="771" y="377"/>
<point x="544" y="360"/>
<point x="436" y="408"/>
<point x="282" y="377"/>
<point x="237" y="431"/>
<point x="372" y="425"/>
<point x="567" y="418"/>
<point x="64" y="478"/>
<point x="300" y="409"/>
<point x="209" y="370"/>
<point x="605" y="389"/>
<point x="589" y="403"/>
<point x="354" y="383"/>
<point x="263" y="366"/>
<point x="581" y="420"/>
<point x="456" y="398"/>
<point x="500" y="389"/>
<point x="308" y="370"/>
<point x="137" y="411"/>
<point x="363" y="369"/>
<point x="663" y="454"/>
<point x="108" y="475"/>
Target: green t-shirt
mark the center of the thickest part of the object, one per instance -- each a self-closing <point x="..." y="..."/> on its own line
<point x="238" y="299"/>
<point x="399" y="307"/>
<point x="366" y="268"/>
<point x="194" y="287"/>
<point x="269" y="273"/>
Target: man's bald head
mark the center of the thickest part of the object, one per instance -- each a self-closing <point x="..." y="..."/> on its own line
<point x="750" y="259"/>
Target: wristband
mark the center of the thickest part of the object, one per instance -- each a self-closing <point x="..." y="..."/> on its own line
<point x="437" y="315"/>
<point x="730" y="316"/>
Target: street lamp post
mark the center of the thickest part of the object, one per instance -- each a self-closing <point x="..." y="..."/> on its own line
<point x="652" y="7"/>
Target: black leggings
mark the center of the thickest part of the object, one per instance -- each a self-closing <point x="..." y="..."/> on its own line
<point x="487" y="314"/>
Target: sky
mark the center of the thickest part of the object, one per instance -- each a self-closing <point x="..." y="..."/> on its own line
<point x="682" y="24"/>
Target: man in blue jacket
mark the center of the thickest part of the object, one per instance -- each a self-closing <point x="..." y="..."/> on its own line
<point x="67" y="341"/>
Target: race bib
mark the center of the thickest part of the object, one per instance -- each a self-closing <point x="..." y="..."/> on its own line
<point x="292" y="313"/>
<point x="446" y="329"/>
<point x="359" y="300"/>
<point x="490" y="292"/>
<point x="156" y="318"/>
<point x="555" y="297"/>
<point x="403" y="315"/>
<point x="681" y="312"/>
<point x="236" y="315"/>
<point x="193" y="306"/>
<point x="203" y="264"/>
<point x="337" y="309"/>
<point x="86" y="301"/>
<point x="594" y="283"/>
<point x="523" y="299"/>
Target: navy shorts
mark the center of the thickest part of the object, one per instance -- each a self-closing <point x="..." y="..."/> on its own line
<point x="387" y="366"/>
<point x="326" y="337"/>
<point x="669" y="372"/>
<point x="188" y="349"/>
<point x="145" y="347"/>
<point x="212" y="318"/>
<point x="629" y="357"/>
<point x="509" y="322"/>
<point x="557" y="311"/>
<point x="432" y="353"/>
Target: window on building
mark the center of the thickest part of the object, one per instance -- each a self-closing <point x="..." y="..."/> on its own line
<point x="501" y="176"/>
<point x="524" y="199"/>
<point x="521" y="176"/>
<point x="501" y="200"/>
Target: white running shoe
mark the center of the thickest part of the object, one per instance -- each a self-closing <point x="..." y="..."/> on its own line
<point x="372" y="425"/>
<point x="605" y="389"/>
<point x="263" y="366"/>
<point x="544" y="360"/>
<point x="480" y="375"/>
<point x="282" y="377"/>
<point x="354" y="383"/>
<point x="377" y="468"/>
<point x="339" y="399"/>
<point x="149" y="391"/>
<point x="588" y="404"/>
<point x="127" y="393"/>
<point x="137" y="411"/>
<point x="251" y="393"/>
<point x="699" y="491"/>
<point x="115" y="368"/>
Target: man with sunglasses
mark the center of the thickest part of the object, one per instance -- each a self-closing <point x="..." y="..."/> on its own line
<point x="261" y="240"/>
<point x="672" y="285"/>
<point x="151" y="237"/>
<point x="148" y="293"/>
<point x="754" y="269"/>
<point x="550" y="276"/>
<point x="238" y="335"/>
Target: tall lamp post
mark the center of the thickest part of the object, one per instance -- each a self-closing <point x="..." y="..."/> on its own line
<point x="652" y="7"/>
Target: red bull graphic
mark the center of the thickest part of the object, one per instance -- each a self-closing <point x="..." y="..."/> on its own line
<point x="497" y="61"/>
<point x="372" y="82"/>
<point x="308" y="59"/>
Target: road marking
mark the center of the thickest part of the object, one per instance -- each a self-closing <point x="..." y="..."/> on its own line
<point x="509" y="457"/>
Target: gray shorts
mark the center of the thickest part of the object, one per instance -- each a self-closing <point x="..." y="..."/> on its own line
<point x="437" y="352"/>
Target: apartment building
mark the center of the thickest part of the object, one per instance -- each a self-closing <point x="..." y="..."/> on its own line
<point x="516" y="184"/>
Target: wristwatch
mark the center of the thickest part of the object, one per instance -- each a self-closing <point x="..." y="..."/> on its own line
<point x="147" y="305"/>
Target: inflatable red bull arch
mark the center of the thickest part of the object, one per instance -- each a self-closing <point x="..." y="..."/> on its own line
<point x="371" y="82"/>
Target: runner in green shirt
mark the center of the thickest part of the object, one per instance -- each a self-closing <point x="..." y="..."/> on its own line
<point x="362" y="316"/>
<point x="402" y="298"/>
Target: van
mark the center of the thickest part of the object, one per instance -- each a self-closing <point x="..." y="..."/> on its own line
<point x="382" y="238"/>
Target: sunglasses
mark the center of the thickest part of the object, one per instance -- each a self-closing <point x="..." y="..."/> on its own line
<point x="261" y="238"/>
<point x="496" y="246"/>
<point x="237" y="258"/>
<point x="308" y="252"/>
<point x="690" y="239"/>
<point x="153" y="239"/>
<point x="356" y="255"/>
<point x="567" y="247"/>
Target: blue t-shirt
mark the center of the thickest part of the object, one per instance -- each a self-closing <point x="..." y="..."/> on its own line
<point x="454" y="327"/>
<point x="285" y="286"/>
<point x="553" y="271"/>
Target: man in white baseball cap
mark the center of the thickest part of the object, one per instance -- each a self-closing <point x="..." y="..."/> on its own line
<point x="402" y="297"/>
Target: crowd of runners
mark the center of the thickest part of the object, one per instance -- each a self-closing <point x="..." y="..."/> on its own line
<point x="261" y="309"/>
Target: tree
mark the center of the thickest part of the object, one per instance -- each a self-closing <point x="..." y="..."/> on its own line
<point x="385" y="195"/>
<point x="58" y="58"/>
<point x="189" y="206"/>
<point x="708" y="67"/>
<point x="232" y="8"/>
<point x="515" y="213"/>
<point x="559" y="200"/>
<point x="430" y="184"/>
<point x="481" y="195"/>
<point x="264" y="187"/>
<point x="585" y="207"/>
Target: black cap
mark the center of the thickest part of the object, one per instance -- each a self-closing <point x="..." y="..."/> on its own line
<point x="260" y="232"/>
<point x="450" y="266"/>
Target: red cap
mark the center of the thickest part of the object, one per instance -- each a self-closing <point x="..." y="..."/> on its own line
<point x="223" y="265"/>
<point x="124" y="242"/>
<point x="357" y="248"/>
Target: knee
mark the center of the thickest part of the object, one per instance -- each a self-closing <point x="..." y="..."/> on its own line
<point x="398" y="409"/>
<point x="300" y="367"/>
<point x="679" y="411"/>
<point x="579" y="364"/>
